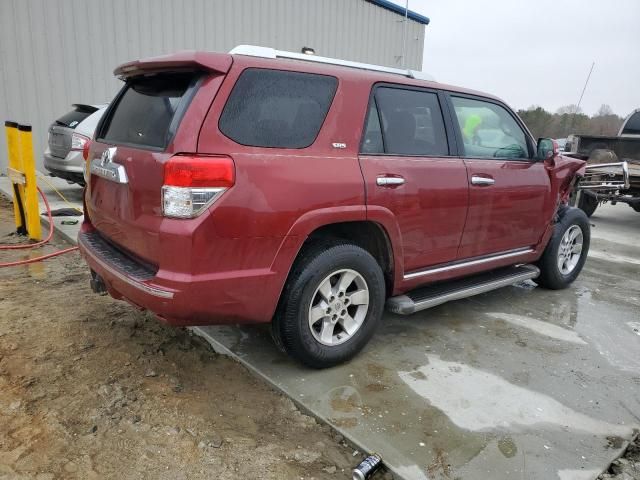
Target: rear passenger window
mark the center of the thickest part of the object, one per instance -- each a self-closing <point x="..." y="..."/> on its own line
<point x="372" y="142"/>
<point x="279" y="109"/>
<point x="412" y="122"/>
<point x="488" y="130"/>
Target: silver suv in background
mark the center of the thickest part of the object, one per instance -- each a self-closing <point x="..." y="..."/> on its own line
<point x="68" y="135"/>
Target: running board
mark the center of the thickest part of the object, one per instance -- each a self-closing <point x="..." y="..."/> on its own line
<point x="439" y="293"/>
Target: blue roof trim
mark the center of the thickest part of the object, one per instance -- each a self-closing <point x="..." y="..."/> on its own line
<point x="398" y="9"/>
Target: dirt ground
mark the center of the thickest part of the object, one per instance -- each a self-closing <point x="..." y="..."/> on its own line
<point x="91" y="388"/>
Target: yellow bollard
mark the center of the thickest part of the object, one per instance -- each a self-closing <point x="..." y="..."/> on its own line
<point x="15" y="174"/>
<point x="32" y="208"/>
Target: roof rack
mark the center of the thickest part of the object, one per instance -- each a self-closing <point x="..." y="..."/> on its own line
<point x="267" y="52"/>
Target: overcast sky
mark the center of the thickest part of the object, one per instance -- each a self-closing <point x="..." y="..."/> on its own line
<point x="537" y="52"/>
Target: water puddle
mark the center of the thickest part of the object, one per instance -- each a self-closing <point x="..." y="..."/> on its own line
<point x="577" y="474"/>
<point x="635" y="327"/>
<point x="538" y="326"/>
<point x="613" y="257"/>
<point x="480" y="401"/>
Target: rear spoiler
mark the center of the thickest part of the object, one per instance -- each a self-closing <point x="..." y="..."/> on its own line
<point x="209" y="61"/>
<point x="82" y="107"/>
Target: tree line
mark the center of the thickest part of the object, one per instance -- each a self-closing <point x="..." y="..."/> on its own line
<point x="570" y="119"/>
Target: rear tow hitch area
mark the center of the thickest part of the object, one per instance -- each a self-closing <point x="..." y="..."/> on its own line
<point x="97" y="284"/>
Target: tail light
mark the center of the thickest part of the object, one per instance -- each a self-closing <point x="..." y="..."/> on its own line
<point x="86" y="168"/>
<point x="85" y="150"/>
<point x="192" y="183"/>
<point x="78" y="142"/>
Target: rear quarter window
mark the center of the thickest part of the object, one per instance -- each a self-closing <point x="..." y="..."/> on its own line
<point x="145" y="110"/>
<point x="278" y="109"/>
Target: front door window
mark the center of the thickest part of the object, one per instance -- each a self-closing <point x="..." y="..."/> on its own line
<point x="488" y="130"/>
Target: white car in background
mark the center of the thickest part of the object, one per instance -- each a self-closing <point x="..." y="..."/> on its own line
<point x="562" y="144"/>
<point x="67" y="137"/>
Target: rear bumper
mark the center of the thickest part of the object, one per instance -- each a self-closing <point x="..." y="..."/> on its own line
<point x="178" y="298"/>
<point x="72" y="163"/>
<point x="69" y="168"/>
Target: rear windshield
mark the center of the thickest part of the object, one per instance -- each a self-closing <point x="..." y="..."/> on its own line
<point x="75" y="116"/>
<point x="632" y="127"/>
<point x="274" y="108"/>
<point x="145" y="111"/>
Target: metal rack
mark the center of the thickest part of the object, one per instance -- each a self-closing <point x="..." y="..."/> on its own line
<point x="267" y="52"/>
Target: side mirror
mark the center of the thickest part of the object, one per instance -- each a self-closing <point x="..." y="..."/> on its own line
<point x="547" y="149"/>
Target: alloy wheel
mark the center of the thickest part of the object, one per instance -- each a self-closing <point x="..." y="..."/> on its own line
<point x="338" y="307"/>
<point x="570" y="250"/>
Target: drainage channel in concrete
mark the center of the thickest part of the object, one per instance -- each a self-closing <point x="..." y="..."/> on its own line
<point x="516" y="383"/>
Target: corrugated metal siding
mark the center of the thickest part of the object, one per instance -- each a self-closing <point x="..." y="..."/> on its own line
<point x="57" y="52"/>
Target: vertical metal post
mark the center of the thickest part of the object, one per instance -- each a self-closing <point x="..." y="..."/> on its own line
<point x="15" y="166"/>
<point x="34" y="228"/>
<point x="404" y="35"/>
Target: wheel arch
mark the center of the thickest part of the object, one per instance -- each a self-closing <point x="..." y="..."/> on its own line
<point x="349" y="223"/>
<point x="343" y="220"/>
<point x="369" y="235"/>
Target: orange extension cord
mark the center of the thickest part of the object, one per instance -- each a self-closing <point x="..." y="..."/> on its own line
<point x="37" y="244"/>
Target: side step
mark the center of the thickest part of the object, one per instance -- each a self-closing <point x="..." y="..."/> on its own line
<point x="439" y="293"/>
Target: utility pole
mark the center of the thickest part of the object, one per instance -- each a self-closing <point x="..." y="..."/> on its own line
<point x="581" y="95"/>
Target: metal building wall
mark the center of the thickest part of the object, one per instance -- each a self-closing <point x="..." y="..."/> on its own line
<point x="57" y="52"/>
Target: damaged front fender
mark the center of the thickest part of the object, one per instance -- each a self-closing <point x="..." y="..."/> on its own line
<point x="564" y="174"/>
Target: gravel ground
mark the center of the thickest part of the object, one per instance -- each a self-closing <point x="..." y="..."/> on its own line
<point x="92" y="388"/>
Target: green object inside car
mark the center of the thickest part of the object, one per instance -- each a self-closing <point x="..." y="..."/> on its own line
<point x="471" y="124"/>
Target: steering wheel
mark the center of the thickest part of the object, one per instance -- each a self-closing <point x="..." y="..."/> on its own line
<point x="511" y="151"/>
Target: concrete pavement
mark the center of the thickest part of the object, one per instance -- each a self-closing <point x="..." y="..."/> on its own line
<point x="517" y="383"/>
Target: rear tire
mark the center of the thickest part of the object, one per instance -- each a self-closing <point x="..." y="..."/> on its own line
<point x="331" y="305"/>
<point x="567" y="250"/>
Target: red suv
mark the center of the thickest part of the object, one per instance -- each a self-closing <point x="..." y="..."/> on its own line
<point x="266" y="186"/>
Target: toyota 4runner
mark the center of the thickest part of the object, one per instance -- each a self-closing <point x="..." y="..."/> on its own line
<point x="267" y="186"/>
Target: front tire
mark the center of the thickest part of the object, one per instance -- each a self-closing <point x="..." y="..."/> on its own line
<point x="566" y="252"/>
<point x="331" y="305"/>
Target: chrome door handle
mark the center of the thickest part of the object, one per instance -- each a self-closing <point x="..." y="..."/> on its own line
<point x="389" y="181"/>
<point x="475" y="180"/>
